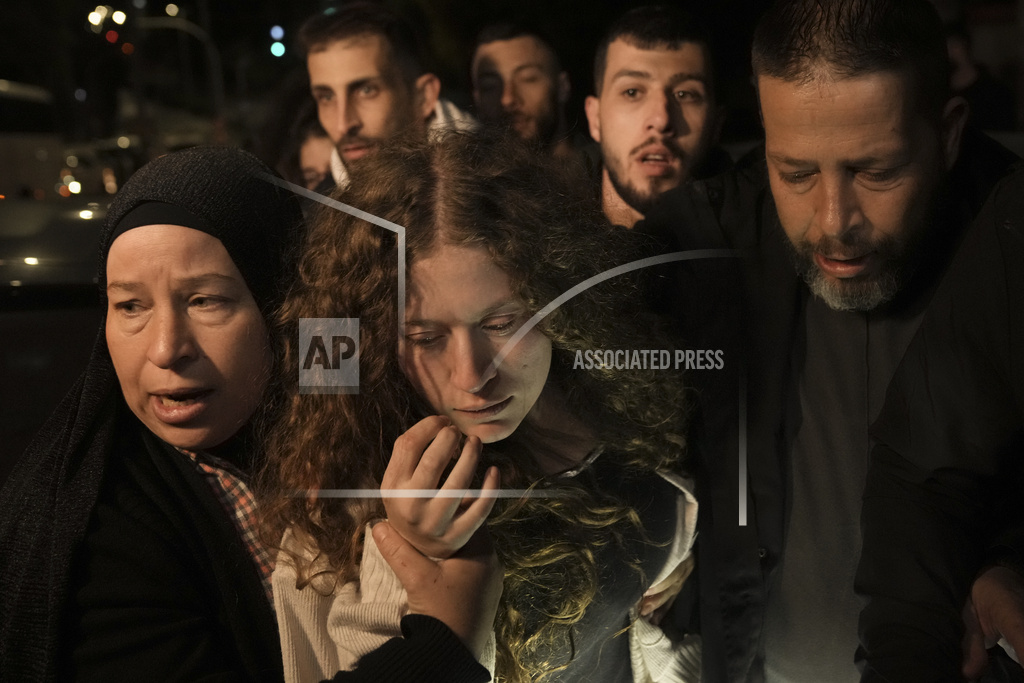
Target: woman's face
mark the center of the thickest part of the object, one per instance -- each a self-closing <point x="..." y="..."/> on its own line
<point x="459" y="313"/>
<point x="315" y="160"/>
<point x="188" y="342"/>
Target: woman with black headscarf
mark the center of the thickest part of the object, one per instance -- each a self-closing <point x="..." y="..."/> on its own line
<point x="128" y="534"/>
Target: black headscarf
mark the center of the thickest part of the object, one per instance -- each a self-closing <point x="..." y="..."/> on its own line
<point x="46" y="503"/>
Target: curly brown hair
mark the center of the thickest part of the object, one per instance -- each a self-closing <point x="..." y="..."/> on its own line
<point x="542" y="226"/>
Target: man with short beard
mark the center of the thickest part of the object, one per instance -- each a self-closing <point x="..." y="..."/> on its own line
<point x="519" y="84"/>
<point x="368" y="77"/>
<point x="654" y="112"/>
<point x="869" y="183"/>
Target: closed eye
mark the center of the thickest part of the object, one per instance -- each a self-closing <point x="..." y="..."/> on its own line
<point x="502" y="326"/>
<point x="423" y="340"/>
<point x="796" y="177"/>
<point x="881" y="176"/>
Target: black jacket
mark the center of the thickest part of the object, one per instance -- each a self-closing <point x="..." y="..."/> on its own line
<point x="754" y="305"/>
<point x="947" y="470"/>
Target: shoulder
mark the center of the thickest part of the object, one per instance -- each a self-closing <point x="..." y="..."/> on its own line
<point x="725" y="210"/>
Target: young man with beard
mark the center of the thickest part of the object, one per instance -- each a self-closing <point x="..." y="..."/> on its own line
<point x="519" y="84"/>
<point x="367" y="75"/>
<point x="869" y="183"/>
<point x="654" y="112"/>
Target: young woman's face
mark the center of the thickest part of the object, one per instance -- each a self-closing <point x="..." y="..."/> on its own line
<point x="188" y="342"/>
<point x="460" y="312"/>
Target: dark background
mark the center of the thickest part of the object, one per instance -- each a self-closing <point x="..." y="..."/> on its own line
<point x="118" y="101"/>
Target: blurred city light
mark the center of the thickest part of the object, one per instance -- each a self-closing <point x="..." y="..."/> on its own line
<point x="80" y="95"/>
<point x="123" y="142"/>
<point x="277" y="49"/>
<point x="128" y="48"/>
<point x="276" y="32"/>
<point x="111" y="36"/>
<point x="75" y="187"/>
<point x="172" y="10"/>
<point x="109" y="181"/>
<point x="72" y="161"/>
<point x="95" y="18"/>
<point x="118" y="17"/>
<point x="85" y="213"/>
<point x="68" y="179"/>
<point x="139" y="4"/>
<point x="31" y="260"/>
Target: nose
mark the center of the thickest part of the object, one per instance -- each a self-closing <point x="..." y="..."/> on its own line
<point x="838" y="209"/>
<point x="349" y="118"/>
<point x="508" y="95"/>
<point x="471" y="363"/>
<point x="341" y="120"/>
<point x="171" y="340"/>
<point x="659" y="118"/>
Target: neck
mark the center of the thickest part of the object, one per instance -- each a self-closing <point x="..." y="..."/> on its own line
<point x="615" y="207"/>
<point x="562" y="439"/>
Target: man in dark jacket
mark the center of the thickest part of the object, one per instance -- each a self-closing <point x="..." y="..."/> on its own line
<point x="868" y="184"/>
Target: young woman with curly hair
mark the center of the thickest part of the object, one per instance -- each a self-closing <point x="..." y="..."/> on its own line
<point x="493" y="234"/>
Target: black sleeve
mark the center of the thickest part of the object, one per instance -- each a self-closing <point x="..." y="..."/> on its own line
<point x="940" y="500"/>
<point x="429" y="652"/>
<point x="160" y="591"/>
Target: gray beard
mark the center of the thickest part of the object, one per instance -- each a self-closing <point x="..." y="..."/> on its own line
<point x="848" y="296"/>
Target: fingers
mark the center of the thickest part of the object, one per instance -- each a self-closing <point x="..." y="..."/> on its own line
<point x="462" y="473"/>
<point x="472" y="518"/>
<point x="975" y="656"/>
<point x="409" y="449"/>
<point x="436" y="458"/>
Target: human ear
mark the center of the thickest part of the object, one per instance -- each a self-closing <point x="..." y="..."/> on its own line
<point x="592" y="106"/>
<point x="428" y="90"/>
<point x="954" y="118"/>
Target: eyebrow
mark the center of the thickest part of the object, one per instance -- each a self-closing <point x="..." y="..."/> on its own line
<point x="187" y="282"/>
<point x="492" y="71"/>
<point x="859" y="162"/>
<point x="487" y="312"/>
<point x="529" y="65"/>
<point x="675" y="79"/>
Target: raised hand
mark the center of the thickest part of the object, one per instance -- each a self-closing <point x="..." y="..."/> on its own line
<point x="436" y="526"/>
<point x="462" y="591"/>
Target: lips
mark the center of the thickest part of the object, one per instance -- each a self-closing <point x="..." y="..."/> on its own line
<point x="657" y="160"/>
<point x="179" y="406"/>
<point x="353" y="152"/>
<point x="487" y="410"/>
<point x="843" y="267"/>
